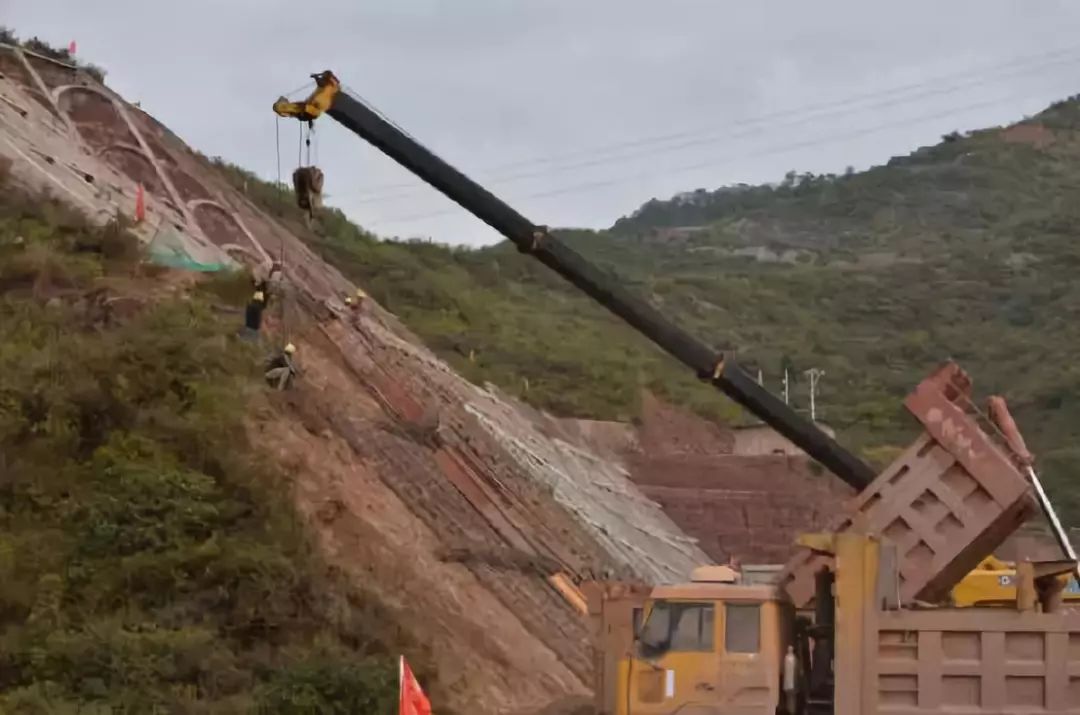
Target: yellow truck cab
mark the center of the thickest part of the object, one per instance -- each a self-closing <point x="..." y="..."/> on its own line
<point x="710" y="646"/>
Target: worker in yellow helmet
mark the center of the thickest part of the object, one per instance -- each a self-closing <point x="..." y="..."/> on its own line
<point x="253" y="315"/>
<point x="281" y="370"/>
<point x="354" y="304"/>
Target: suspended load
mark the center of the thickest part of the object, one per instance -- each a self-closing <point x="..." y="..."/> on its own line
<point x="308" y="184"/>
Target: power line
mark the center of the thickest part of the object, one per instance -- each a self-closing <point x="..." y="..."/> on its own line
<point x="715" y="161"/>
<point x="715" y="138"/>
<point x="1018" y="66"/>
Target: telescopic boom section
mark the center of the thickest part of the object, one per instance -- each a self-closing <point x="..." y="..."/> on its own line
<point x="606" y="289"/>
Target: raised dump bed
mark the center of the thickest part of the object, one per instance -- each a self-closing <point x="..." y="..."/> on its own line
<point x="951" y="498"/>
<point x="1023" y="658"/>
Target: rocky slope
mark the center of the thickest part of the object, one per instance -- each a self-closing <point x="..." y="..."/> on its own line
<point x="466" y="513"/>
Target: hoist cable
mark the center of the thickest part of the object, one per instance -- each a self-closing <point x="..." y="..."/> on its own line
<point x="277" y="147"/>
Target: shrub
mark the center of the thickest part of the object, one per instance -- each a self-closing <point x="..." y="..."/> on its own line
<point x="149" y="561"/>
<point x="35" y="44"/>
<point x="319" y="687"/>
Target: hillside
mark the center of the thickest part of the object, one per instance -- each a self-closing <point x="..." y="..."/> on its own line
<point x="200" y="544"/>
<point x="148" y="559"/>
<point x="963" y="250"/>
<point x="180" y="538"/>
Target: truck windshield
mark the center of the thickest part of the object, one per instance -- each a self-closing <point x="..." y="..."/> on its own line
<point x="677" y="626"/>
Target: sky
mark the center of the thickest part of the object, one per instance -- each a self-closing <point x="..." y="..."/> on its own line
<point x="574" y="111"/>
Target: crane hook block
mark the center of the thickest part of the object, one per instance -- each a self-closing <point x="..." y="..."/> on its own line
<point x="308" y="184"/>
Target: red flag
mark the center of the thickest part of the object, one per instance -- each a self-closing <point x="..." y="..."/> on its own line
<point x="411" y="700"/>
<point x="71" y="48"/>
<point x="140" y="204"/>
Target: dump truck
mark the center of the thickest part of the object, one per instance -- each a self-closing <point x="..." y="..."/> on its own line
<point x="849" y="627"/>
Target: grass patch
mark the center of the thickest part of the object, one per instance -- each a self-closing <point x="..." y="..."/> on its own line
<point x="150" y="559"/>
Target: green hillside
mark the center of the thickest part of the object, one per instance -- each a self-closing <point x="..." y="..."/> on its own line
<point x="150" y="561"/>
<point x="965" y="250"/>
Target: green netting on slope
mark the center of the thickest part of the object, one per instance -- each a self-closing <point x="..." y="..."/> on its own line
<point x="167" y="249"/>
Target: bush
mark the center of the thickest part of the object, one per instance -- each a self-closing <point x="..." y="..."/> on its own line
<point x="326" y="687"/>
<point x="34" y="44"/>
<point x="149" y="561"/>
<point x="94" y="71"/>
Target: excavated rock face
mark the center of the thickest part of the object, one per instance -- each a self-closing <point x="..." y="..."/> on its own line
<point x="747" y="507"/>
<point x="450" y="503"/>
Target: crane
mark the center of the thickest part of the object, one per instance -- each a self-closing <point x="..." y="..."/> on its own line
<point x="766" y="658"/>
<point x="716" y="367"/>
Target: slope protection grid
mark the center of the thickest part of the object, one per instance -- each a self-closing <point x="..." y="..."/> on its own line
<point x="461" y="510"/>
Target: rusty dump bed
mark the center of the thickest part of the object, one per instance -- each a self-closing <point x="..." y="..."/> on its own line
<point x="931" y="661"/>
<point x="978" y="660"/>
<point x="951" y="498"/>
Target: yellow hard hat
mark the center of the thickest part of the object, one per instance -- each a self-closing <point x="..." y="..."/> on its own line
<point x="290" y="349"/>
<point x="258" y="295"/>
<point x="360" y="293"/>
<point x="348" y="300"/>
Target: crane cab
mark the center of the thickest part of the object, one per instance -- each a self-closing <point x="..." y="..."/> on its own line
<point x="713" y="646"/>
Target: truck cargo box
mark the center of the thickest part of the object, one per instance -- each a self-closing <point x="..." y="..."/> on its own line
<point x="951" y="498"/>
<point x="930" y="661"/>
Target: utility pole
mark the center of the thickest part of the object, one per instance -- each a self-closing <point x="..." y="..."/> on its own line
<point x="786" y="400"/>
<point x="814" y="374"/>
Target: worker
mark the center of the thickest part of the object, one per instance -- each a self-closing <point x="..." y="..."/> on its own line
<point x="356" y="305"/>
<point x="267" y="283"/>
<point x="253" y="313"/>
<point x="281" y="370"/>
<point x="274" y="278"/>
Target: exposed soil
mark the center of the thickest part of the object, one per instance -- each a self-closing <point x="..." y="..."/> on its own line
<point x="747" y="507"/>
<point x="132" y="163"/>
<point x="219" y="226"/>
<point x="96" y="118"/>
<point x="13" y="69"/>
<point x="668" y="430"/>
<point x="54" y="75"/>
<point x="363" y="487"/>
<point x="1035" y="135"/>
<point x="188" y="188"/>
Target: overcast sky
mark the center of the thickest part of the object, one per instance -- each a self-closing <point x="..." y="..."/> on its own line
<point x="575" y="111"/>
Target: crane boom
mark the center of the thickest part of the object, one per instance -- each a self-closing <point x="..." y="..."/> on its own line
<point x="709" y="364"/>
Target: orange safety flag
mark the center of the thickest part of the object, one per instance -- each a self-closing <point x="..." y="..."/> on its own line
<point x="140" y="204"/>
<point x="411" y="700"/>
